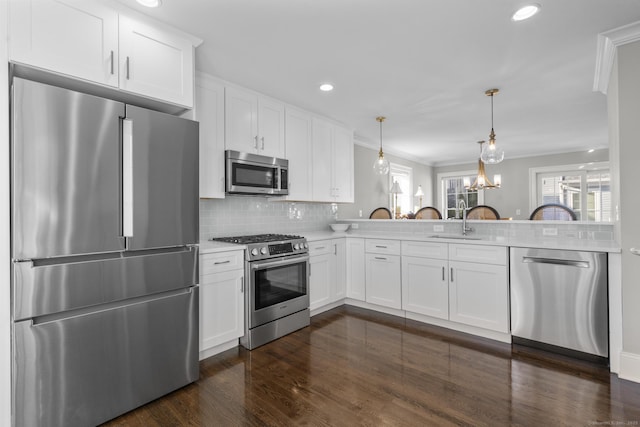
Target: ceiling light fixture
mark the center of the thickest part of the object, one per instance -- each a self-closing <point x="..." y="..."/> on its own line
<point x="381" y="166"/>
<point x="326" y="87"/>
<point x="490" y="153"/>
<point x="526" y="12"/>
<point x="591" y="150"/>
<point x="481" y="182"/>
<point x="150" y="3"/>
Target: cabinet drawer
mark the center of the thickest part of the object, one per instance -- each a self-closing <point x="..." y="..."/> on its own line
<point x="478" y="253"/>
<point x="377" y="246"/>
<point x="321" y="247"/>
<point x="426" y="249"/>
<point x="221" y="261"/>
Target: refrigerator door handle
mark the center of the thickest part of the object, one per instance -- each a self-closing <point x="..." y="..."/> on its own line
<point x="127" y="178"/>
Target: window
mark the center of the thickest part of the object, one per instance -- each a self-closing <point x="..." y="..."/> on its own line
<point x="403" y="175"/>
<point x="452" y="191"/>
<point x="586" y="190"/>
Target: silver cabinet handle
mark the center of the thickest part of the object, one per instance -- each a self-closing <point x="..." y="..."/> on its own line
<point x="221" y="262"/>
<point x="383" y="247"/>
<point x="319" y="248"/>
<point x="335" y="249"/>
<point x="112" y="63"/>
<point x="635" y="251"/>
<point x="256" y="144"/>
<point x="242" y="285"/>
<point x="262" y="139"/>
<point x="379" y="257"/>
<point x="443" y="273"/>
<point x="127" y="64"/>
<point x="127" y="177"/>
<point x="451" y="278"/>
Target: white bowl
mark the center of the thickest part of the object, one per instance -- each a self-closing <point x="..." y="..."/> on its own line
<point x="339" y="227"/>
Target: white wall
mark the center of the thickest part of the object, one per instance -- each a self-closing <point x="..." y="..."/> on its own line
<point x="625" y="102"/>
<point x="372" y="191"/>
<point x="514" y="191"/>
<point x="5" y="316"/>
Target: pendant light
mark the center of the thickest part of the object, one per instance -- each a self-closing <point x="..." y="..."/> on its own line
<point x="492" y="154"/>
<point x="482" y="182"/>
<point x="381" y="166"/>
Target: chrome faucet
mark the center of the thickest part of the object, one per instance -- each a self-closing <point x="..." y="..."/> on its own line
<point x="463" y="206"/>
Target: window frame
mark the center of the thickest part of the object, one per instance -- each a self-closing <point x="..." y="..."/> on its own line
<point x="441" y="191"/>
<point x="579" y="169"/>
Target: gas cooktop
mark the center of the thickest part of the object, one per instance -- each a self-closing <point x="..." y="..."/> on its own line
<point x="264" y="246"/>
<point x="257" y="238"/>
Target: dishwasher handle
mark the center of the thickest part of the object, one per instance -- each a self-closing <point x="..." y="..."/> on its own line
<point x="555" y="261"/>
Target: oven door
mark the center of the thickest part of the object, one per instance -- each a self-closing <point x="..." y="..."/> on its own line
<point x="277" y="288"/>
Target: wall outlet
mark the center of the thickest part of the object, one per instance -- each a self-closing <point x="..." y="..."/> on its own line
<point x="360" y="213"/>
<point x="549" y="231"/>
<point x="354" y="226"/>
<point x="438" y="228"/>
<point x="518" y="211"/>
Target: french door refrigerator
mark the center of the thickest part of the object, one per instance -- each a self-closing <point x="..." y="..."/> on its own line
<point x="104" y="262"/>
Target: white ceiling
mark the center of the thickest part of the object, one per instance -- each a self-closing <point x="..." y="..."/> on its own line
<point x="424" y="64"/>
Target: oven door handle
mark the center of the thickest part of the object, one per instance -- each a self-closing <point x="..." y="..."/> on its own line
<point x="256" y="265"/>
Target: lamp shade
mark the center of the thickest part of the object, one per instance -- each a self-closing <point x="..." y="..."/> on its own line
<point x="395" y="188"/>
<point x="419" y="193"/>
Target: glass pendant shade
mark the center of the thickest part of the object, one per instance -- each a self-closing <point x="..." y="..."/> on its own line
<point x="381" y="165"/>
<point x="492" y="154"/>
<point x="482" y="181"/>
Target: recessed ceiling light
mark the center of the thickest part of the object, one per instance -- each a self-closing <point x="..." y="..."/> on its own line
<point x="591" y="150"/>
<point x="526" y="12"/>
<point x="326" y="87"/>
<point x="150" y="3"/>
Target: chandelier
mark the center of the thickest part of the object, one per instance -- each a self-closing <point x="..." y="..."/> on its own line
<point x="481" y="182"/>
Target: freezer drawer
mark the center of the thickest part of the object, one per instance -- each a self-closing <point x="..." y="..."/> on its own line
<point x="91" y="367"/>
<point x="43" y="287"/>
<point x="560" y="298"/>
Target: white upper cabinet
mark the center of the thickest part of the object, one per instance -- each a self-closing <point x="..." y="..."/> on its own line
<point x="90" y="41"/>
<point x="332" y="162"/>
<point x="209" y="112"/>
<point x="253" y="124"/>
<point x="297" y="125"/>
<point x="155" y="63"/>
<point x="73" y="37"/>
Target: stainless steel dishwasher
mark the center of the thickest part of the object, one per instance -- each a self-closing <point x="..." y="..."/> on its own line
<point x="559" y="301"/>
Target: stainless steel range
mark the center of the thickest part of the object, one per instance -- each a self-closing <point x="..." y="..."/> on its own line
<point x="277" y="277"/>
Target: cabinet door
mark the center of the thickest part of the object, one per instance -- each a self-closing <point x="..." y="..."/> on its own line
<point x="321" y="132"/>
<point x="320" y="280"/>
<point x="241" y="120"/>
<point x="221" y="308"/>
<point x="210" y="113"/>
<point x="355" y="269"/>
<point x="340" y="290"/>
<point x="298" y="152"/>
<point x="479" y="295"/>
<point x="72" y="37"/>
<point x="425" y="287"/>
<point x="155" y="63"/>
<point x="383" y="280"/>
<point x="343" y="165"/>
<point x="271" y="127"/>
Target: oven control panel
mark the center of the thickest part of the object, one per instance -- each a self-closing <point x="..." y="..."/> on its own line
<point x="275" y="249"/>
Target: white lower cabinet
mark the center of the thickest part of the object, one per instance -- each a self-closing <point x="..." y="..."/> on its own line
<point x="221" y="298"/>
<point x="425" y="288"/>
<point x="355" y="268"/>
<point x="327" y="279"/>
<point x="479" y="295"/>
<point x="383" y="280"/>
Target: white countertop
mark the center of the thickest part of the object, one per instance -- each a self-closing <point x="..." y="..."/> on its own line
<point x="209" y="247"/>
<point x="550" y="243"/>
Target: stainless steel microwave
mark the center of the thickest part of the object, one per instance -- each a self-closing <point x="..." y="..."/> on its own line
<point x="248" y="173"/>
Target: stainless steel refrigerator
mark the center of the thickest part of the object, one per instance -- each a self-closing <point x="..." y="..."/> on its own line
<point x="104" y="262"/>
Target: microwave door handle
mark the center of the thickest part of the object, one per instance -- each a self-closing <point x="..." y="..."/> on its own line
<point x="127" y="178"/>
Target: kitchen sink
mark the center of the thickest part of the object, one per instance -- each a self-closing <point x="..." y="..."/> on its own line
<point x="454" y="236"/>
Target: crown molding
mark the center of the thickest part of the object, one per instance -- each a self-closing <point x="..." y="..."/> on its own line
<point x="608" y="42"/>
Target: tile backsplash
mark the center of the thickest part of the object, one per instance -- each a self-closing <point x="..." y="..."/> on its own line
<point x="239" y="215"/>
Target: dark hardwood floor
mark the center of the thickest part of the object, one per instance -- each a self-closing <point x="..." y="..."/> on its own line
<point x="357" y="367"/>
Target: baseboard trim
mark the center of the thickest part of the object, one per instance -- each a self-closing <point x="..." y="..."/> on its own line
<point x="630" y="366"/>
<point x="218" y="349"/>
